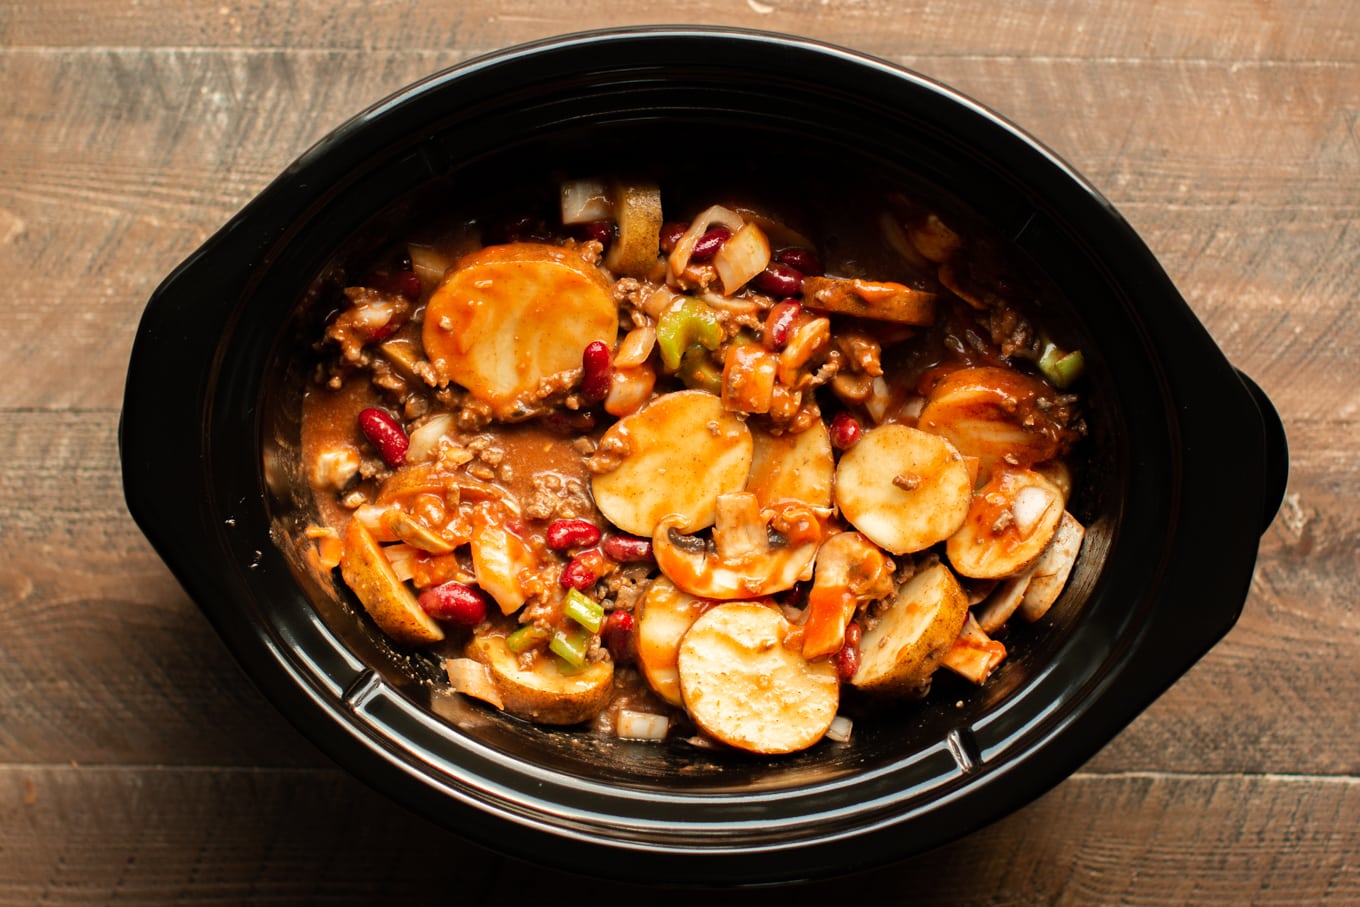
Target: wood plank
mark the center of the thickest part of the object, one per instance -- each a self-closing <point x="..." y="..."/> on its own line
<point x="1211" y="29"/>
<point x="103" y="659"/>
<point x="114" y="165"/>
<point x="189" y="836"/>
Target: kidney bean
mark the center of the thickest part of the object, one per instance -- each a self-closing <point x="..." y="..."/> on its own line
<point x="583" y="571"/>
<point x="671" y="231"/>
<point x="617" y="635"/>
<point x="779" y="324"/>
<point x="386" y="434"/>
<point x="708" y="245"/>
<point x="845" y="430"/>
<point x="805" y="261"/>
<point x="847" y="659"/>
<point x="564" y="534"/>
<point x="454" y="602"/>
<point x="602" y="231"/>
<point x="597" y="371"/>
<point x="627" y="549"/>
<point x="780" y="280"/>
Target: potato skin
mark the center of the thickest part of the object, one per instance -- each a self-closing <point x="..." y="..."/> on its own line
<point x="543" y="694"/>
<point x="909" y="642"/>
<point x="388" y="601"/>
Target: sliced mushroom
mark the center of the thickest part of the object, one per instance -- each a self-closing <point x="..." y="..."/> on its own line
<point x="543" y="692"/>
<point x="899" y="654"/>
<point x="993" y="414"/>
<point x="794" y="466"/>
<point x="904" y="488"/>
<point x="677" y="454"/>
<point x="386" y="598"/>
<point x="744" y="686"/>
<point x="511" y="318"/>
<point x="850" y="570"/>
<point x="1010" y="522"/>
<point x="663" y="617"/>
<point x="753" y="552"/>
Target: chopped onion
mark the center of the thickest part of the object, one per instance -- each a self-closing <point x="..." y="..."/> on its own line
<point x="429" y="263"/>
<point x="634" y="348"/>
<point x="585" y="200"/>
<point x="880" y="395"/>
<point x="1029" y="507"/>
<point x="633" y="725"/>
<point x="470" y="677"/>
<point x="839" y="730"/>
<point x="401" y="557"/>
<point x="425" y="439"/>
<point x="684" y="248"/>
<point x="742" y="257"/>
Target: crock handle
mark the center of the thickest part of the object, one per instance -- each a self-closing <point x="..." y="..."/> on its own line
<point x="1277" y="450"/>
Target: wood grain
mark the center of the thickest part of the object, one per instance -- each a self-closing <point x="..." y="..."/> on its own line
<point x="138" y="764"/>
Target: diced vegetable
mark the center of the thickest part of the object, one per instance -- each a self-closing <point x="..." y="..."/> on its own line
<point x="691" y="323"/>
<point x="901" y="652"/>
<point x="584" y="610"/>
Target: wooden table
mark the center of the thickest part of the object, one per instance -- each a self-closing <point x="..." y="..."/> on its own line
<point x="137" y="763"/>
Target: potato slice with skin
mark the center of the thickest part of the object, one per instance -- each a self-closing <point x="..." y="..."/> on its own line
<point x="682" y="450"/>
<point x="904" y="488"/>
<point x="990" y="413"/>
<point x="1049" y="574"/>
<point x="1010" y="522"/>
<point x="509" y="318"/>
<point x="637" y="211"/>
<point x="899" y="654"/>
<point x="542" y="692"/>
<point x="792" y="467"/>
<point x="386" y="598"/>
<point x="746" y="688"/>
<point x="663" y="617"/>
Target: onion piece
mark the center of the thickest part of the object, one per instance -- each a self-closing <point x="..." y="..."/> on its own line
<point x="424" y="441"/>
<point x="471" y="678"/>
<point x="401" y="557"/>
<point x="742" y="257"/>
<point x="840" y="728"/>
<point x="585" y="200"/>
<point x="633" y="725"/>
<point x="1030" y="504"/>
<point x="633" y="349"/>
<point x="684" y="248"/>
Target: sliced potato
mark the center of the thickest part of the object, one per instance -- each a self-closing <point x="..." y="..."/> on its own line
<point x="881" y="301"/>
<point x="663" y="617"/>
<point x="1004" y="600"/>
<point x="1010" y="522"/>
<point x="904" y="488"/>
<point x="508" y="318"/>
<point x="542" y="692"/>
<point x="792" y="466"/>
<point x="899" y="654"/>
<point x="1050" y="572"/>
<point x="990" y="413"/>
<point x="681" y="451"/>
<point x="637" y="211"/>
<point x="746" y="688"/>
<point x="386" y="598"/>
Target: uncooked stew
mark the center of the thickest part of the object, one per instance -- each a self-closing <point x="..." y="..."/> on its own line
<point x="695" y="468"/>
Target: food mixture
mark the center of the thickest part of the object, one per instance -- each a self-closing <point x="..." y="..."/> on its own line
<point x="665" y="469"/>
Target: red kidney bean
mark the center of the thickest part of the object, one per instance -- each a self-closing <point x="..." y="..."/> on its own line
<point x="627" y="549"/>
<point x="847" y="659"/>
<point x="564" y="534"/>
<point x="597" y="371"/>
<point x="671" y="231"/>
<point x="386" y="434"/>
<point x="617" y="635"/>
<point x="779" y="279"/>
<point x="779" y="324"/>
<point x="454" y="602"/>
<point x="708" y="245"/>
<point x="582" y="571"/>
<point x="845" y="430"/>
<point x="805" y="261"/>
<point x="602" y="231"/>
